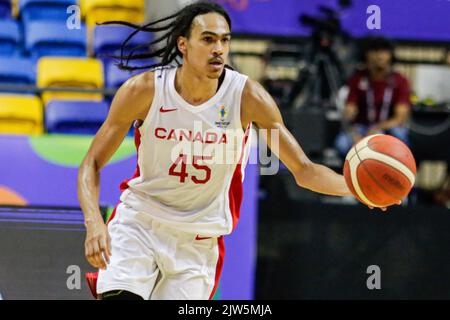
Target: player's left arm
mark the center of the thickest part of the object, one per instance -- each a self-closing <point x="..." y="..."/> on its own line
<point x="259" y="107"/>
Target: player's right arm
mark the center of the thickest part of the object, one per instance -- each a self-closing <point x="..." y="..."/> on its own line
<point x="131" y="102"/>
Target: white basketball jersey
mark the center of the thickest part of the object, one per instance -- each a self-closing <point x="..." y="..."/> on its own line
<point x="191" y="159"/>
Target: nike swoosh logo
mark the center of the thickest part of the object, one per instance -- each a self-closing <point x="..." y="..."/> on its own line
<point x="166" y="110"/>
<point x="201" y="238"/>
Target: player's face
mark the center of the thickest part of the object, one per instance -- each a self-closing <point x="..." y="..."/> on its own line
<point x="379" y="60"/>
<point x="207" y="48"/>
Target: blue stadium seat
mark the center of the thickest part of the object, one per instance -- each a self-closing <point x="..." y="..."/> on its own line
<point x="53" y="38"/>
<point x="5" y="9"/>
<point x="9" y="37"/>
<point x="116" y="77"/>
<point x="17" y="70"/>
<point x="31" y="10"/>
<point x="75" y="117"/>
<point x="108" y="40"/>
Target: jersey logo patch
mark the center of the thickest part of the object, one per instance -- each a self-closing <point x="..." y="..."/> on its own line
<point x="222" y="123"/>
<point x="166" y="110"/>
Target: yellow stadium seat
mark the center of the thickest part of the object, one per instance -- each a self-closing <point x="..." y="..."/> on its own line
<point x="21" y="114"/>
<point x="107" y="10"/>
<point x="15" y="8"/>
<point x="83" y="73"/>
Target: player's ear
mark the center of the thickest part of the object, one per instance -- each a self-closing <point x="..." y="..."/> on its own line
<point x="182" y="44"/>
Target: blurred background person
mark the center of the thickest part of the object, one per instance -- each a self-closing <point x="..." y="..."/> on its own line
<point x="378" y="99"/>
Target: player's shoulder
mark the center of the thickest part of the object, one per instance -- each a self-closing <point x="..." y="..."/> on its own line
<point x="252" y="89"/>
<point x="139" y="85"/>
<point x="139" y="91"/>
<point x="256" y="102"/>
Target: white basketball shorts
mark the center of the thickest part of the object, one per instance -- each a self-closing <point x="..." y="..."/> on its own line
<point x="156" y="261"/>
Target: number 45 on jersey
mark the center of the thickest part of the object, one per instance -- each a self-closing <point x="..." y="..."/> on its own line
<point x="182" y="173"/>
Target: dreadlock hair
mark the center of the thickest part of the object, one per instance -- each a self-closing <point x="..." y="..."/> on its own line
<point x="176" y="25"/>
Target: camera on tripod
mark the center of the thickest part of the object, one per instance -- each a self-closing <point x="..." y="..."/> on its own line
<point x="312" y="105"/>
<point x="326" y="27"/>
<point x="318" y="83"/>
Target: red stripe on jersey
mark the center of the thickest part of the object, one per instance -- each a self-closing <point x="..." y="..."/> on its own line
<point x="219" y="265"/>
<point x="91" y="279"/>
<point x="137" y="172"/>
<point x="236" y="190"/>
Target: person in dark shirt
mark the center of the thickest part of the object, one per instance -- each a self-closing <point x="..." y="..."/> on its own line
<point x="378" y="100"/>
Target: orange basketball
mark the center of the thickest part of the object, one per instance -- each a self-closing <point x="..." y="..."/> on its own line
<point x="380" y="170"/>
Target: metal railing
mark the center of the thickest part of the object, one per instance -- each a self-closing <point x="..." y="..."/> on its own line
<point x="15" y="88"/>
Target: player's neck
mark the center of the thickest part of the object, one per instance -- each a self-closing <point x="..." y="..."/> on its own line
<point x="193" y="88"/>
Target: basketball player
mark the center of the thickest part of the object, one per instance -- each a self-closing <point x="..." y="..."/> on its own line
<point x="165" y="238"/>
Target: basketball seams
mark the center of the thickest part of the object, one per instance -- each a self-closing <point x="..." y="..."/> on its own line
<point x="364" y="141"/>
<point x="353" y="176"/>
<point x="361" y="162"/>
<point x="390" y="161"/>
<point x="370" y="144"/>
<point x="396" y="196"/>
<point x="367" y="149"/>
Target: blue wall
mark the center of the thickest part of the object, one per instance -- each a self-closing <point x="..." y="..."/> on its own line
<point x="403" y="19"/>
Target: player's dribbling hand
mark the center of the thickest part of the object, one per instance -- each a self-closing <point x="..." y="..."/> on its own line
<point x="97" y="245"/>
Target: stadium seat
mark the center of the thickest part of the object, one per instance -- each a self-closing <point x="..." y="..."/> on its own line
<point x="108" y="39"/>
<point x="107" y="10"/>
<point x="53" y="38"/>
<point x="116" y="77"/>
<point x="5" y="9"/>
<point x="75" y="117"/>
<point x="82" y="73"/>
<point x="15" y="8"/>
<point x="31" y="10"/>
<point x="20" y="114"/>
<point x="9" y="37"/>
<point x="16" y="70"/>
